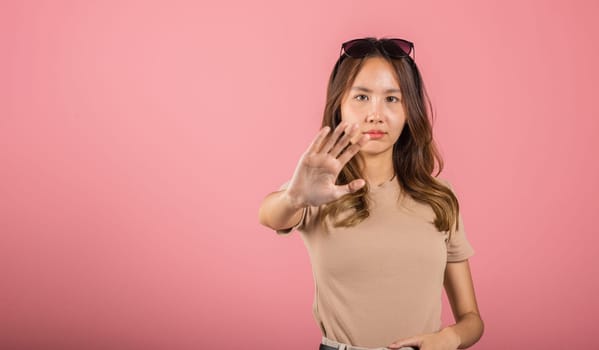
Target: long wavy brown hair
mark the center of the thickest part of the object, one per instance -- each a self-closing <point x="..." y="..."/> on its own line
<point x="414" y="152"/>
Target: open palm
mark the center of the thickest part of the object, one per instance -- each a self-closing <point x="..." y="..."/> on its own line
<point x="313" y="182"/>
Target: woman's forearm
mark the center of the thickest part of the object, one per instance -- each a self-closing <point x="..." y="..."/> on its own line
<point x="280" y="210"/>
<point x="469" y="329"/>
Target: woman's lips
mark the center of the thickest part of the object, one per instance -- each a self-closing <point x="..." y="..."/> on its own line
<point x="375" y="135"/>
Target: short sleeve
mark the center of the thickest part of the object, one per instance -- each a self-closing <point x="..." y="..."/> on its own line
<point x="458" y="246"/>
<point x="299" y="226"/>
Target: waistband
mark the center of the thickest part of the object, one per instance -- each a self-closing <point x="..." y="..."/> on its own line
<point x="330" y="344"/>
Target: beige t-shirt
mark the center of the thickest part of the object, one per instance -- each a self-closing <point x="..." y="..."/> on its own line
<point x="382" y="279"/>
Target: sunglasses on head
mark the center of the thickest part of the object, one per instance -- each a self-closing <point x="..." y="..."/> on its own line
<point x="360" y="48"/>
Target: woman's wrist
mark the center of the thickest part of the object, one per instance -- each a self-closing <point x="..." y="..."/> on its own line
<point x="453" y="335"/>
<point x="293" y="200"/>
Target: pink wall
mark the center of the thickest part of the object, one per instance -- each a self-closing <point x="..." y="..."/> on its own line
<point x="138" y="139"/>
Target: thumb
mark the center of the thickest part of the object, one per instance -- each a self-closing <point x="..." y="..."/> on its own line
<point x="356" y="185"/>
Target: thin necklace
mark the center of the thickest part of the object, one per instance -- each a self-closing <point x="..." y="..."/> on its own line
<point x="387" y="181"/>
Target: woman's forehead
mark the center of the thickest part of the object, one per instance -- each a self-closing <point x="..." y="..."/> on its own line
<point x="376" y="73"/>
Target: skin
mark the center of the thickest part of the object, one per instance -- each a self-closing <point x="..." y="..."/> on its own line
<point x="374" y="101"/>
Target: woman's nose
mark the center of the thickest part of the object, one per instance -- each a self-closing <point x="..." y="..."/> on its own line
<point x="373" y="117"/>
<point x="375" y="113"/>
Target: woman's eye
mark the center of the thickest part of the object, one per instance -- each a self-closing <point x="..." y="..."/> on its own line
<point x="392" y="99"/>
<point x="359" y="97"/>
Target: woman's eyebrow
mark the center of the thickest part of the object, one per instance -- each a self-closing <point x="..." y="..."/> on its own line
<point x="361" y="88"/>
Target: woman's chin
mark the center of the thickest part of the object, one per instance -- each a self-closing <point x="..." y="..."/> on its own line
<point x="371" y="151"/>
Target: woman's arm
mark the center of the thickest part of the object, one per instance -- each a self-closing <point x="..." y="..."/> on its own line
<point x="460" y="292"/>
<point x="280" y="210"/>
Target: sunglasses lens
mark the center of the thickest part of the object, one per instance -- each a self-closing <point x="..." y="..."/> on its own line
<point x="397" y="47"/>
<point x="358" y="48"/>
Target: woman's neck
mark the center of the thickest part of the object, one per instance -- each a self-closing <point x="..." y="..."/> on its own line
<point x="378" y="169"/>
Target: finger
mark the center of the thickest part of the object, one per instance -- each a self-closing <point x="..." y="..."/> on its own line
<point x="412" y="341"/>
<point x="320" y="137"/>
<point x="351" y="187"/>
<point x="333" y="138"/>
<point x="356" y="185"/>
<point x="353" y="149"/>
<point x="349" y="134"/>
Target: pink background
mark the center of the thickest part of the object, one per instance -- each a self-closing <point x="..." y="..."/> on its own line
<point x="138" y="139"/>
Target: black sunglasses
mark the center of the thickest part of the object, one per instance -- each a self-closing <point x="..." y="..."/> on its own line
<point x="391" y="47"/>
<point x="358" y="48"/>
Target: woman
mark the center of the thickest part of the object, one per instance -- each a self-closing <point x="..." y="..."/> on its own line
<point x="383" y="234"/>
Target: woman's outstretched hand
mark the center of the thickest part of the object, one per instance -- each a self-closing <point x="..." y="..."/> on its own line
<point x="313" y="182"/>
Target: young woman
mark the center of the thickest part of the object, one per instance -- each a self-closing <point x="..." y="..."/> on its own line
<point x="383" y="234"/>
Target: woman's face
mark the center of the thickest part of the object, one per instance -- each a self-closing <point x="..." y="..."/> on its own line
<point x="374" y="102"/>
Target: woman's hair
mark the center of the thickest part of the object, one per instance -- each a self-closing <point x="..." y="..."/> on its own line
<point x="414" y="152"/>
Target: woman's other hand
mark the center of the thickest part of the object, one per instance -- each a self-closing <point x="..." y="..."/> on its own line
<point x="445" y="339"/>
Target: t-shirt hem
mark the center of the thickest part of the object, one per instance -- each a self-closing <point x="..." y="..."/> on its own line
<point x="461" y="257"/>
